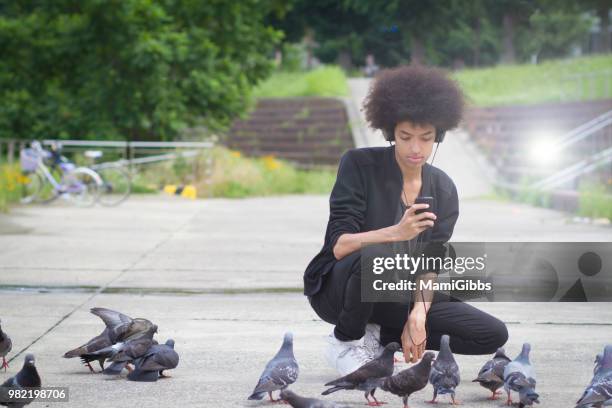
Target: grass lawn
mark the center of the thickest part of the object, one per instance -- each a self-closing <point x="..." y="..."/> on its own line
<point x="552" y="81"/>
<point x="324" y="81"/>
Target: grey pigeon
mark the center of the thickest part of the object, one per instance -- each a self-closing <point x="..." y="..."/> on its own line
<point x="301" y="402"/>
<point x="368" y="377"/>
<point x="152" y="364"/>
<point x="491" y="375"/>
<point x="599" y="391"/>
<point x="519" y="376"/>
<point x="5" y="347"/>
<point x="97" y="343"/>
<point x="122" y="353"/>
<point x="280" y="372"/>
<point x="26" y="378"/>
<point x="121" y="327"/>
<point x="444" y="376"/>
<point x="409" y="380"/>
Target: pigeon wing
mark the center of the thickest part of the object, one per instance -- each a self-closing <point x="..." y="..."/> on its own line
<point x="111" y="318"/>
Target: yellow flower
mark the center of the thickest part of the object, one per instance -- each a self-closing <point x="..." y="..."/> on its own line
<point x="271" y="163"/>
<point x="236" y="154"/>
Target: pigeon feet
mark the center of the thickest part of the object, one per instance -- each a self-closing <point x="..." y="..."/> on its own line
<point x="455" y="401"/>
<point x="494" y="396"/>
<point x="91" y="369"/>
<point x="374" y="403"/>
<point x="433" y="401"/>
<point x="4" y="364"/>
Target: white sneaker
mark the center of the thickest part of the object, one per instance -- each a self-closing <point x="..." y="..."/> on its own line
<point x="371" y="340"/>
<point x="345" y="356"/>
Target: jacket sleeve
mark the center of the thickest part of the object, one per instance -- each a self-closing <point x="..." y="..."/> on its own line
<point x="347" y="203"/>
<point x="443" y="226"/>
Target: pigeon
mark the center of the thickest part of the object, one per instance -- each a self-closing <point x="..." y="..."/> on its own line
<point x="122" y="353"/>
<point x="599" y="391"/>
<point x="26" y="378"/>
<point x="121" y="327"/>
<point x="519" y="376"/>
<point x="491" y="375"/>
<point x="409" y="380"/>
<point x="300" y="402"/>
<point x="280" y="372"/>
<point x="97" y="343"/>
<point x="5" y="347"/>
<point x="368" y="377"/>
<point x="444" y="375"/>
<point x="152" y="364"/>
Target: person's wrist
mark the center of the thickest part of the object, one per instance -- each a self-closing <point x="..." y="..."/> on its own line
<point x="417" y="314"/>
<point x="393" y="233"/>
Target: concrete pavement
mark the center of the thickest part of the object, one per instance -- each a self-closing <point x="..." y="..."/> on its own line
<point x="222" y="277"/>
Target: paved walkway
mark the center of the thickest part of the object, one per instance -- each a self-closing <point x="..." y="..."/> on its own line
<point x="222" y="277"/>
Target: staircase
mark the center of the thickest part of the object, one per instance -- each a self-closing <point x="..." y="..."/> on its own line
<point x="307" y="131"/>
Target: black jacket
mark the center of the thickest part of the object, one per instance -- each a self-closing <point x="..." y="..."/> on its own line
<point x="366" y="197"/>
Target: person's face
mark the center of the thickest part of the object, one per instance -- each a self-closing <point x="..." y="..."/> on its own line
<point x="413" y="143"/>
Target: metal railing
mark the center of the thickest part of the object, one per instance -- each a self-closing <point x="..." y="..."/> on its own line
<point x="584" y="166"/>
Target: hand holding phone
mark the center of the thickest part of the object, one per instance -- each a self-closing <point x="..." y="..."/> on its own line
<point x="424" y="200"/>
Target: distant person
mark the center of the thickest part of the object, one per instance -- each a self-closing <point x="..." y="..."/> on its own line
<point x="371" y="69"/>
<point x="373" y="201"/>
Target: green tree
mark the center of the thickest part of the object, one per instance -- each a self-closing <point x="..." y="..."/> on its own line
<point x="138" y="69"/>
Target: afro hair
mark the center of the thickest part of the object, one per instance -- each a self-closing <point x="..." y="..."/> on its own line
<point x="419" y="94"/>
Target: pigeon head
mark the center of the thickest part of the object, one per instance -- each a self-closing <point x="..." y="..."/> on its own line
<point x="392" y="347"/>
<point x="170" y="343"/>
<point x="151" y="330"/>
<point x="500" y="352"/>
<point x="598" y="358"/>
<point x="29" y="360"/>
<point x="524" y="356"/>
<point x="287" y="395"/>
<point x="445" y="341"/>
<point x="287" y="346"/>
<point x="606" y="360"/>
<point x="445" y="351"/>
<point x="428" y="357"/>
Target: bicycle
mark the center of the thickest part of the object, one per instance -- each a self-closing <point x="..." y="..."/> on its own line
<point x="80" y="185"/>
<point x="116" y="181"/>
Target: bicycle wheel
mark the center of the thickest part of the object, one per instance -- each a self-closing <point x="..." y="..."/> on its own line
<point x="116" y="185"/>
<point x="31" y="187"/>
<point x="82" y="186"/>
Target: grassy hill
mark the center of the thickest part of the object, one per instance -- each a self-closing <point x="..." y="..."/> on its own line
<point x="551" y="81"/>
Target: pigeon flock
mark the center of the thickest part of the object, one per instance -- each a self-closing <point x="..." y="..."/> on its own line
<point x="124" y="341"/>
<point x="441" y="371"/>
<point x="127" y="342"/>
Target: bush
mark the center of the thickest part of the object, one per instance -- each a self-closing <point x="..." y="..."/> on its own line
<point x="234" y="176"/>
<point x="10" y="182"/>
<point x="595" y="201"/>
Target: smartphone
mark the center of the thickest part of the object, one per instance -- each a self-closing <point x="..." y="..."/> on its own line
<point x="424" y="200"/>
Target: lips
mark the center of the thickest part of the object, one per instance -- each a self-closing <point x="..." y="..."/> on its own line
<point x="415" y="159"/>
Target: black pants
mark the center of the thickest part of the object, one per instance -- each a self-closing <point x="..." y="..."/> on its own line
<point x="338" y="302"/>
